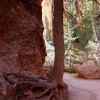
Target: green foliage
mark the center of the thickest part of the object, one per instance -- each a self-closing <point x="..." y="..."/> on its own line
<point x="70" y="70"/>
<point x="85" y="31"/>
<point x="48" y="37"/>
<point x="68" y="39"/>
<point x="93" y="52"/>
<point x="68" y="36"/>
<point x="82" y="33"/>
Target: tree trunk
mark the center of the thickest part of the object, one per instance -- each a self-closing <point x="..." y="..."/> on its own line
<point x="95" y="38"/>
<point x="57" y="73"/>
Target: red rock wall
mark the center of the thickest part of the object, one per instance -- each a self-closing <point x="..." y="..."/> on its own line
<point x="22" y="46"/>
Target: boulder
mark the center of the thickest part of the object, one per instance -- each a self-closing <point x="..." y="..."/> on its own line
<point x="88" y="71"/>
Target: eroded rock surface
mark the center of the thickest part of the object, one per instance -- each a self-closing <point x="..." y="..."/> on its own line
<point x="22" y="48"/>
<point x="88" y="71"/>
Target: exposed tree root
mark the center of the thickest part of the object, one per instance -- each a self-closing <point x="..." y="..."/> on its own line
<point x="48" y="88"/>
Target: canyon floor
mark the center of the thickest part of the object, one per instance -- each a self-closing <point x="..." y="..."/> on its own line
<point x="82" y="89"/>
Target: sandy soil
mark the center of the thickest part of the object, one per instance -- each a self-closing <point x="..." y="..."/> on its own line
<point x="82" y="89"/>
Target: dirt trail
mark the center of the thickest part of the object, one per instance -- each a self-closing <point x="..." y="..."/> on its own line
<point x="82" y="89"/>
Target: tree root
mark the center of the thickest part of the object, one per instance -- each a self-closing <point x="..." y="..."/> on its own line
<point x="48" y="89"/>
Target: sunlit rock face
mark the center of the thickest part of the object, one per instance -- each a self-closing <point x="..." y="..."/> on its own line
<point x="22" y="48"/>
<point x="47" y="17"/>
<point x="88" y="71"/>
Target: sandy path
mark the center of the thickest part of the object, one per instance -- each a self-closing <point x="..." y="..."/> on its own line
<point x="82" y="89"/>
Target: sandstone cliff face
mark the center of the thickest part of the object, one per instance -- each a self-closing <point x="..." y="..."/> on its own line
<point x="22" y="48"/>
<point x="47" y="18"/>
